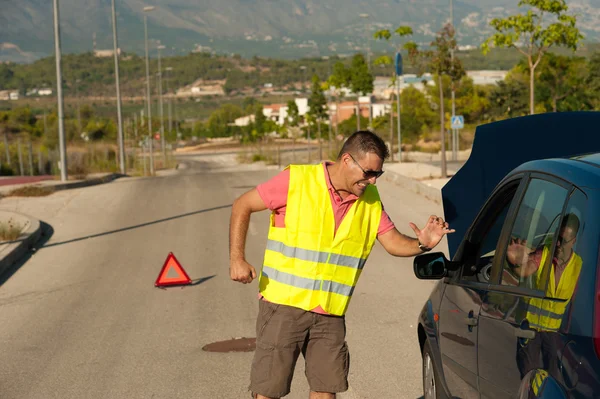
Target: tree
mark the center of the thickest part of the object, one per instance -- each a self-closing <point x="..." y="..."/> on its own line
<point x="532" y="35"/>
<point x="361" y="80"/>
<point x="317" y="108"/>
<point x="562" y="82"/>
<point x="293" y="114"/>
<point x="440" y="62"/>
<point x="340" y="79"/>
<point x="417" y="115"/>
<point x="385" y="34"/>
<point x="593" y="81"/>
<point x="259" y="119"/>
<point x="508" y="98"/>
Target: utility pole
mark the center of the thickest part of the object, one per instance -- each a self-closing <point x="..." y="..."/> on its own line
<point x="454" y="131"/>
<point x="150" y="138"/>
<point x="62" y="145"/>
<point x="368" y="30"/>
<point x="119" y="116"/>
<point x="162" y="118"/>
<point x="78" y="105"/>
<point x="303" y="68"/>
<point x="170" y="111"/>
<point x="398" y="110"/>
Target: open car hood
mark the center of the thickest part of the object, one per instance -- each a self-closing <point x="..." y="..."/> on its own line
<point x="500" y="147"/>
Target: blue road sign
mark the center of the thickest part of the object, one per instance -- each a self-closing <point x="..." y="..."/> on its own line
<point x="398" y="64"/>
<point x="457" y="122"/>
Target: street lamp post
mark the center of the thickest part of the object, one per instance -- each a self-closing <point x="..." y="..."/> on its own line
<point x="119" y="115"/>
<point x="366" y="16"/>
<point x="303" y="68"/>
<point x="368" y="30"/>
<point x="78" y="105"/>
<point x="150" y="138"/>
<point x="160" y="99"/>
<point x="62" y="145"/>
<point x="170" y="112"/>
<point x="454" y="131"/>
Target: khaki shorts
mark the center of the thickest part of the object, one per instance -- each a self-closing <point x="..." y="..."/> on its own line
<point x="282" y="333"/>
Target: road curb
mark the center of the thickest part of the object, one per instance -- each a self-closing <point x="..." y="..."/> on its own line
<point x="431" y="193"/>
<point x="51" y="185"/>
<point x="88" y="182"/>
<point x="12" y="251"/>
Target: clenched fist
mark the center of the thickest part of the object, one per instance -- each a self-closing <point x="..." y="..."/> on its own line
<point x="242" y="271"/>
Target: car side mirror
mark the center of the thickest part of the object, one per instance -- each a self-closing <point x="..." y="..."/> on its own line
<point x="432" y="266"/>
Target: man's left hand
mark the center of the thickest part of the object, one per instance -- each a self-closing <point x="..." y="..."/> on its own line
<point x="432" y="233"/>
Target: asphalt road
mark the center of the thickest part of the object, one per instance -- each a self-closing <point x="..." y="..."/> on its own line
<point x="81" y="318"/>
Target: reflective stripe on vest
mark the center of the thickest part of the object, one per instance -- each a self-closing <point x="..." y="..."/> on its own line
<point x="315" y="256"/>
<point x="307" y="263"/>
<point x="547" y="314"/>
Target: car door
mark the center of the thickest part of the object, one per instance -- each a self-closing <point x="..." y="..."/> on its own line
<point x="506" y="343"/>
<point x="459" y="310"/>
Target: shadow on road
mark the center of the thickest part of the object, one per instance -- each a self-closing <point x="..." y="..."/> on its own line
<point x="47" y="232"/>
<point x="135" y="227"/>
<point x="194" y="282"/>
<point x="203" y="279"/>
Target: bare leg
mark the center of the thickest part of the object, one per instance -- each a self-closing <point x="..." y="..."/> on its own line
<point x="321" y="395"/>
<point x="263" y="397"/>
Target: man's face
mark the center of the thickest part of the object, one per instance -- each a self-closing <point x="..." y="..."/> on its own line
<point x="566" y="241"/>
<point x="359" y="171"/>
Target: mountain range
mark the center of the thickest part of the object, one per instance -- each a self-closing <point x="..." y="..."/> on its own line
<point x="274" y="28"/>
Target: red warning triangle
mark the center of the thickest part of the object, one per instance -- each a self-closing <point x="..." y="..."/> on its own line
<point x="172" y="273"/>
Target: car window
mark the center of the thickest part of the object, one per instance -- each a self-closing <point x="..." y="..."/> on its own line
<point x="478" y="265"/>
<point x="535" y="226"/>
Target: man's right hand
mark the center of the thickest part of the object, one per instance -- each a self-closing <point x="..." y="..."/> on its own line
<point x="242" y="271"/>
<point x="518" y="252"/>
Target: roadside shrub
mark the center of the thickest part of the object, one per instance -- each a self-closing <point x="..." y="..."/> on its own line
<point x="9" y="231"/>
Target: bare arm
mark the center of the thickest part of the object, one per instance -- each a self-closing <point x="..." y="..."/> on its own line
<point x="398" y="244"/>
<point x="243" y="207"/>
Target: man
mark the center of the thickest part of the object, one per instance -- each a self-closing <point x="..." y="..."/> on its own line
<point x="558" y="278"/>
<point x="561" y="276"/>
<point x="324" y="221"/>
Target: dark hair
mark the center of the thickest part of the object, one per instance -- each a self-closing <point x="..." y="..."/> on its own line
<point x="572" y="221"/>
<point x="363" y="142"/>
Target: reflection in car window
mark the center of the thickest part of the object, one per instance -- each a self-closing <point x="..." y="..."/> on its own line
<point x="536" y="224"/>
<point x="561" y="273"/>
<point x="486" y="251"/>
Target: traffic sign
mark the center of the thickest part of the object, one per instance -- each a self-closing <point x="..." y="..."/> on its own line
<point x="457" y="122"/>
<point x="172" y="273"/>
<point x="398" y="64"/>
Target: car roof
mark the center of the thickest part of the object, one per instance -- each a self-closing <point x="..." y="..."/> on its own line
<point x="581" y="170"/>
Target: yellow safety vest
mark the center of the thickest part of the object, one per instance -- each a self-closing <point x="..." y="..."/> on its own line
<point x="307" y="263"/>
<point x="546" y="314"/>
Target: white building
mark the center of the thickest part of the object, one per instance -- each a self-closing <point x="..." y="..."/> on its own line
<point x="301" y="103"/>
<point x="45" y="92"/>
<point x="487" y="77"/>
<point x="14" y="95"/>
<point x="244" y="120"/>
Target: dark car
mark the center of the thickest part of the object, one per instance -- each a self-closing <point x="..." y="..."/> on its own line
<point x="516" y="313"/>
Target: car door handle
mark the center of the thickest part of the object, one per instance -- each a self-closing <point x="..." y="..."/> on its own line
<point x="521" y="333"/>
<point x="471" y="321"/>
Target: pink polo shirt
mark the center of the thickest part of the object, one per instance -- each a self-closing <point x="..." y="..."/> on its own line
<point x="275" y="191"/>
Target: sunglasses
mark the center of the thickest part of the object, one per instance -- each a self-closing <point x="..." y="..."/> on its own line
<point x="560" y="240"/>
<point x="368" y="174"/>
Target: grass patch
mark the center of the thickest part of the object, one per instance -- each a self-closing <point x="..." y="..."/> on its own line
<point x="30" y="191"/>
<point x="9" y="231"/>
